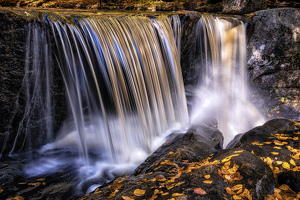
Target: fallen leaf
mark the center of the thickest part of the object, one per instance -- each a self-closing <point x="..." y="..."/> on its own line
<point x="40" y="179"/>
<point x="35" y="184"/>
<point x="298" y="195"/>
<point x="207" y="182"/>
<point x="257" y="143"/>
<point x="239" y="151"/>
<point x="295" y="138"/>
<point x="164" y="194"/>
<point x="139" y="192"/>
<point x="285" y="165"/>
<point x="207" y="176"/>
<point x="160" y="177"/>
<point x="277" y="147"/>
<point x="144" y="180"/>
<point x="235" y="197"/>
<point x="23" y="183"/>
<point x="267" y="142"/>
<point x="177" y="195"/>
<point x="1" y="190"/>
<point x="229" y="191"/>
<point x="127" y="198"/>
<point x="274" y="153"/>
<point x="284" y="187"/>
<point x="277" y="190"/>
<point x="16" y="198"/>
<point x="292" y="162"/>
<point x="113" y="194"/>
<point x="278" y="162"/>
<point x="199" y="191"/>
<point x="180" y="183"/>
<point x="237" y="187"/>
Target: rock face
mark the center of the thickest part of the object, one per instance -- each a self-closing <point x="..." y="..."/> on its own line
<point x="243" y="6"/>
<point x="273" y="54"/>
<point x="13" y="90"/>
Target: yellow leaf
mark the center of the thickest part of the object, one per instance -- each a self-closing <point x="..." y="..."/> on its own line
<point x="1" y="190"/>
<point x="295" y="138"/>
<point x="277" y="147"/>
<point x="297" y="133"/>
<point x="40" y="179"/>
<point x="237" y="187"/>
<point x="139" y="192"/>
<point x="23" y="183"/>
<point x="267" y="142"/>
<point x="199" y="191"/>
<point x="276" y="170"/>
<point x="164" y="194"/>
<point x="278" y="162"/>
<point x="292" y="162"/>
<point x="207" y="176"/>
<point x="284" y="187"/>
<point x="227" y="165"/>
<point x="252" y="152"/>
<point x="113" y="194"/>
<point x="277" y="190"/>
<point x="127" y="198"/>
<point x="298" y="195"/>
<point x="274" y="153"/>
<point x="286" y="165"/>
<point x="207" y="182"/>
<point x="177" y="195"/>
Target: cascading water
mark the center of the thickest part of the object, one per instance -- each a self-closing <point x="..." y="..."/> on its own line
<point x="123" y="81"/>
<point x="123" y="85"/>
<point x="223" y="92"/>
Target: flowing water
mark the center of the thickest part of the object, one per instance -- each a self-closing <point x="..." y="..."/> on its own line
<point x="223" y="91"/>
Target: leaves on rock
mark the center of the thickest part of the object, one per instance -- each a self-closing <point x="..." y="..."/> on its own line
<point x="139" y="192"/>
<point x="160" y="177"/>
<point x="286" y="165"/>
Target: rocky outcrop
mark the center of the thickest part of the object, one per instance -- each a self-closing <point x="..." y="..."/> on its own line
<point x="273" y="52"/>
<point x="243" y="6"/>
<point x="263" y="163"/>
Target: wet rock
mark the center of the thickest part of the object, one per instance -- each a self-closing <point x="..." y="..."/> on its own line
<point x="273" y="57"/>
<point x="197" y="143"/>
<point x="243" y="6"/>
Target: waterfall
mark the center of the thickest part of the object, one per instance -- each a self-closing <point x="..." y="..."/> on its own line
<point x="123" y="81"/>
<point x="223" y="92"/>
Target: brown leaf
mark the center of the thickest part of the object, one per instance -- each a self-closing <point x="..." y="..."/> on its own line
<point x="16" y="198"/>
<point x="139" y="192"/>
<point x="199" y="191"/>
<point x="1" y="190"/>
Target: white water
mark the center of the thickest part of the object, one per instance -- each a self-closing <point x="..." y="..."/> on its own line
<point x="223" y="91"/>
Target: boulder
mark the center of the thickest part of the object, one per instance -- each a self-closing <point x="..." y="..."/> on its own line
<point x="243" y="6"/>
<point x="273" y="59"/>
<point x="200" y="141"/>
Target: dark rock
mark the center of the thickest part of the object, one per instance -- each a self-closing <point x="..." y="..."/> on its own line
<point x="250" y="171"/>
<point x="273" y="51"/>
<point x="198" y="143"/>
<point x="290" y="178"/>
<point x="243" y="6"/>
<point x="189" y="62"/>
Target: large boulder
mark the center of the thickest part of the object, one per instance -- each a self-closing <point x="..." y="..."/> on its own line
<point x="243" y="6"/>
<point x="273" y="54"/>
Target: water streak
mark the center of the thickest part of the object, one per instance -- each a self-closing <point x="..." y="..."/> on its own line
<point x="223" y="90"/>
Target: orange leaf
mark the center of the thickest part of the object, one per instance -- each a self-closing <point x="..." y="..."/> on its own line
<point x="207" y="176"/>
<point x="237" y="187"/>
<point x="160" y="177"/>
<point x="1" y="190"/>
<point x="199" y="191"/>
<point x="35" y="184"/>
<point x="139" y="192"/>
<point x="17" y="198"/>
